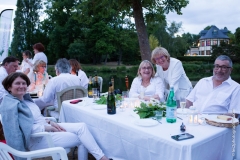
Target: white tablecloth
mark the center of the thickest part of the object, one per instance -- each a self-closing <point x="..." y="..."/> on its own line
<point x="120" y="138"/>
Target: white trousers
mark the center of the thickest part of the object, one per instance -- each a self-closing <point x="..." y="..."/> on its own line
<point x="77" y="134"/>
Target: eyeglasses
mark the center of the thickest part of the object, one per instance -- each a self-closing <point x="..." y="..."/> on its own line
<point x="158" y="58"/>
<point x="146" y="68"/>
<point x="224" y="68"/>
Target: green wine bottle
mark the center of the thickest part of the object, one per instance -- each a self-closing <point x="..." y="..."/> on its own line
<point x="90" y="94"/>
<point x="171" y="107"/>
<point x="111" y="105"/>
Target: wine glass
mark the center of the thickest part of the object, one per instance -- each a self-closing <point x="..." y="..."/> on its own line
<point x="182" y="103"/>
<point x="183" y="93"/>
<point x="94" y="93"/>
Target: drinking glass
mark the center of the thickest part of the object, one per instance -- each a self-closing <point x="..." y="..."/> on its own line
<point x="182" y="103"/>
<point x="124" y="95"/>
<point x="158" y="115"/>
<point x="94" y="93"/>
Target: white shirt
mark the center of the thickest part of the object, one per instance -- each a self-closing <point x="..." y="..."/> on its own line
<point x="39" y="120"/>
<point x="176" y="76"/>
<point x="3" y="75"/>
<point x="25" y="65"/>
<point x="40" y="56"/>
<point x="155" y="87"/>
<point x="221" y="99"/>
<point x="57" y="84"/>
<point x="84" y="79"/>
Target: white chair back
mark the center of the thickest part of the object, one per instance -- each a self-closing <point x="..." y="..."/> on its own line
<point x="5" y="150"/>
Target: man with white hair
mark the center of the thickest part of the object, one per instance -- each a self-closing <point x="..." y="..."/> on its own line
<point x="56" y="84"/>
<point x="218" y="93"/>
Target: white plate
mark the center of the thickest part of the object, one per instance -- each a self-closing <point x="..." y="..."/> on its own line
<point x="134" y="114"/>
<point x="99" y="106"/>
<point x="184" y="111"/>
<point x="146" y="122"/>
<point x="215" y="119"/>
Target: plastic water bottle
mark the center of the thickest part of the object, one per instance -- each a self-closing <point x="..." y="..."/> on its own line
<point x="171" y="116"/>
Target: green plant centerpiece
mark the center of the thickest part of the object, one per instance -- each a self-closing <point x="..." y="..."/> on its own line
<point x="146" y="109"/>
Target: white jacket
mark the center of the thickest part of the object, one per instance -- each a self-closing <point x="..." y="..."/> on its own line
<point x="177" y="77"/>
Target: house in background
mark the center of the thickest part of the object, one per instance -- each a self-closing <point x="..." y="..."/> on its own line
<point x="213" y="36"/>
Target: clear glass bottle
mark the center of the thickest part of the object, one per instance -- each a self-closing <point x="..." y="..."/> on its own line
<point x="171" y="104"/>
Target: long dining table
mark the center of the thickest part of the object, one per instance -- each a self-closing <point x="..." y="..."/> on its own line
<point x="121" y="138"/>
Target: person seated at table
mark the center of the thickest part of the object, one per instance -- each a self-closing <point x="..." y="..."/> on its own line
<point x="56" y="84"/>
<point x="21" y="117"/>
<point x="171" y="71"/>
<point x="77" y="70"/>
<point x="9" y="65"/>
<point x="38" y="76"/>
<point x="218" y="93"/>
<point x="25" y="67"/>
<point x="146" y="85"/>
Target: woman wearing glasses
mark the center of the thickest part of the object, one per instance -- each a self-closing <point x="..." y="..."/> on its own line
<point x="38" y="77"/>
<point x="146" y="85"/>
<point x="171" y="71"/>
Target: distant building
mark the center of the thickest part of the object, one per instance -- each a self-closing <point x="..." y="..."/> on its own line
<point x="213" y="36"/>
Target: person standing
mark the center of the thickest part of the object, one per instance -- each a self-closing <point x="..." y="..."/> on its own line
<point x="171" y="71"/>
<point x="77" y="70"/>
<point x="25" y="67"/>
<point x="9" y="65"/>
<point x="38" y="49"/>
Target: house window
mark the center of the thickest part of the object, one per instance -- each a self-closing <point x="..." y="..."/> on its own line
<point x="202" y="43"/>
<point x="208" y="52"/>
<point x="208" y="43"/>
<point x="214" y="42"/>
<point x="202" y="52"/>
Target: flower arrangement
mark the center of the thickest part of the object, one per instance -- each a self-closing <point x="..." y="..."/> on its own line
<point x="146" y="109"/>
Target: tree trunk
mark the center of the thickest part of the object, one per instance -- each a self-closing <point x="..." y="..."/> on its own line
<point x="141" y="30"/>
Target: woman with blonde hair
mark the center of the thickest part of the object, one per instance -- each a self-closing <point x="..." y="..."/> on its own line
<point x="38" y="76"/>
<point x="77" y="70"/>
<point x="146" y="85"/>
<point x="171" y="71"/>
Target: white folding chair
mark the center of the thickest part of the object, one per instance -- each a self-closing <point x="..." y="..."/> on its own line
<point x="5" y="150"/>
<point x="66" y="94"/>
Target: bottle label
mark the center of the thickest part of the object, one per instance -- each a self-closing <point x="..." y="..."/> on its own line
<point x="171" y="112"/>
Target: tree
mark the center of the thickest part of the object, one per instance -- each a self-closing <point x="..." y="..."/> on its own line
<point x="237" y="36"/>
<point x="152" y="7"/>
<point x="153" y="41"/>
<point x="26" y="26"/>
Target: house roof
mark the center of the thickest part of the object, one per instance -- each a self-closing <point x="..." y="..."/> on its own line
<point x="214" y="33"/>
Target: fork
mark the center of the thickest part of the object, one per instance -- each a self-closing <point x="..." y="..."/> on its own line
<point x="157" y="120"/>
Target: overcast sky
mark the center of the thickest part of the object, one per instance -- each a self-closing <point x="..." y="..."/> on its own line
<point x="198" y="14"/>
<point x="201" y="13"/>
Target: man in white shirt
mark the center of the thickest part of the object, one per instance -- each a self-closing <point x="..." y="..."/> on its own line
<point x="9" y="65"/>
<point x="218" y="93"/>
<point x="56" y="84"/>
